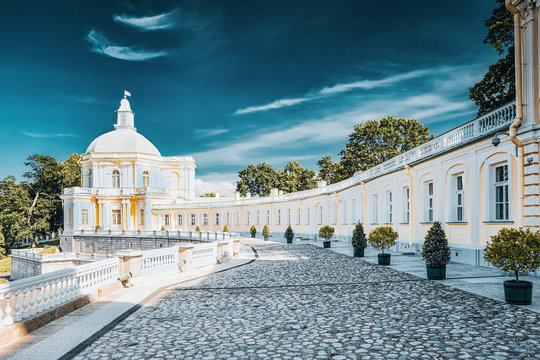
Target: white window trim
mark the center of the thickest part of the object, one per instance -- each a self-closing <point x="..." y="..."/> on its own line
<point x="389" y="206"/>
<point x="489" y="175"/>
<point x="404" y="203"/>
<point x="374" y="208"/>
<point x="425" y="200"/>
<point x="452" y="186"/>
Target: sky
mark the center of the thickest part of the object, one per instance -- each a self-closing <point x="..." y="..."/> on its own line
<point x="232" y="83"/>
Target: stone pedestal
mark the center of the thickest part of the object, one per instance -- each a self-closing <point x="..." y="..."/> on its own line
<point x="236" y="247"/>
<point x="185" y="258"/>
<point x="131" y="261"/>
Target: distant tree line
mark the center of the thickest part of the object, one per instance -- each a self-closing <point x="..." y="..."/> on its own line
<point x="32" y="207"/>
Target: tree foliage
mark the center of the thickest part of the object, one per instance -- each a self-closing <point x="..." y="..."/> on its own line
<point x="359" y="240"/>
<point x="435" y="250"/>
<point x="225" y="229"/>
<point x="289" y="234"/>
<point x="253" y="231"/>
<point x="383" y="238"/>
<point x="209" y="195"/>
<point x="373" y="142"/>
<point x="326" y="232"/>
<point x="266" y="232"/>
<point x="514" y="250"/>
<point x="258" y="180"/>
<point x="497" y="87"/>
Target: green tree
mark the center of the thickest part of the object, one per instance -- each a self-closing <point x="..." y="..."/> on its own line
<point x="359" y="240"/>
<point x="266" y="232"/>
<point x="197" y="228"/>
<point x="326" y="232"/>
<point x="296" y="178"/>
<point x="376" y="141"/>
<point x="330" y="171"/>
<point x="289" y="234"/>
<point x="253" y="231"/>
<point x="514" y="250"/>
<point x="3" y="246"/>
<point x="257" y="180"/>
<point x="211" y="195"/>
<point x="383" y="238"/>
<point x="225" y="228"/>
<point x="497" y="87"/>
<point x="14" y="202"/>
<point x="435" y="250"/>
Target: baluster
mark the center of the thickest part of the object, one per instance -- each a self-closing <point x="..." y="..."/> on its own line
<point x="8" y="320"/>
<point x="24" y="305"/>
<point x="32" y="303"/>
<point x="45" y="296"/>
<point x="62" y="290"/>
<point x="16" y="306"/>
<point x="52" y="294"/>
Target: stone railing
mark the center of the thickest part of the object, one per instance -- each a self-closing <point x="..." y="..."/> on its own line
<point x="204" y="255"/>
<point x="176" y="234"/>
<point x="159" y="260"/>
<point x="27" y="297"/>
<point x="485" y="125"/>
<point x="34" y="255"/>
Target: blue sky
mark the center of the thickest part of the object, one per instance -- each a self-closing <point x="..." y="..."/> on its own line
<point x="232" y="82"/>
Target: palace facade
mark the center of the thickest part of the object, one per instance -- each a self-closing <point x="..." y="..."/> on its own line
<point x="472" y="184"/>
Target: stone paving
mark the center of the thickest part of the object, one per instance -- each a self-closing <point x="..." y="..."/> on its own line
<point x="304" y="302"/>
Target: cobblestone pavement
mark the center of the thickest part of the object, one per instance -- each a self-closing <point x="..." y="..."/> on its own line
<point x="304" y="302"/>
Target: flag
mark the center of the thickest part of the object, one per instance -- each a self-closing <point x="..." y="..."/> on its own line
<point x="127" y="93"/>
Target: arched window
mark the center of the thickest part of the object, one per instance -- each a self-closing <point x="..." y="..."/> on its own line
<point x="89" y="180"/>
<point x="175" y="181"/>
<point x="146" y="179"/>
<point x="116" y="179"/>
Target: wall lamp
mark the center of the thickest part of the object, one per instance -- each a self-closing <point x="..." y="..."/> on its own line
<point x="496" y="141"/>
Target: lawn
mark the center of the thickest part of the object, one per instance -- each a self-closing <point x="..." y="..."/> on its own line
<point x="5" y="264"/>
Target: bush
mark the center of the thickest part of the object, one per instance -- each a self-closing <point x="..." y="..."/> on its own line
<point x="197" y="228"/>
<point x="359" y="240"/>
<point x="162" y="228"/>
<point x="435" y="250"/>
<point x="326" y="232"/>
<point x="266" y="232"/>
<point x="225" y="228"/>
<point x="253" y="231"/>
<point x="514" y="250"/>
<point x="289" y="234"/>
<point x="383" y="237"/>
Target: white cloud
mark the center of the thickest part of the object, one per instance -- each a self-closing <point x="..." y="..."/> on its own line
<point x="202" y="133"/>
<point x="273" y="105"/>
<point x="50" y="135"/>
<point x="101" y="45"/>
<point x="162" y="21"/>
<point x="224" y="184"/>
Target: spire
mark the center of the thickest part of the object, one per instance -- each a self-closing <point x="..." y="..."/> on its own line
<point x="124" y="115"/>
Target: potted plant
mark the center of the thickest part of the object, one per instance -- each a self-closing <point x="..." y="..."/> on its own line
<point x="289" y="234"/>
<point x="382" y="238"/>
<point x="197" y="228"/>
<point x="253" y="231"/>
<point x="516" y="251"/>
<point x="326" y="232"/>
<point x="266" y="232"/>
<point x="436" y="252"/>
<point x="359" y="241"/>
<point x="225" y="228"/>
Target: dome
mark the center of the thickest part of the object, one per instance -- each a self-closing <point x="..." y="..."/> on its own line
<point x="122" y="141"/>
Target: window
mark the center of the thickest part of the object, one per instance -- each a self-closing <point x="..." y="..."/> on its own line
<point x="84" y="216"/>
<point x="175" y="181"/>
<point x="278" y="217"/>
<point x="343" y="209"/>
<point x="257" y="217"/>
<point x="375" y="209"/>
<point x="216" y="219"/>
<point x="298" y="216"/>
<point x="166" y="220"/>
<point x="353" y="211"/>
<point x="116" y="179"/>
<point x="389" y="207"/>
<point x="362" y="210"/>
<point x="141" y="217"/>
<point x="179" y="220"/>
<point x="288" y="216"/>
<point x="145" y="179"/>
<point x="228" y="219"/>
<point x="193" y="221"/>
<point x="89" y="181"/>
<point x="501" y="193"/>
<point x="429" y="202"/>
<point x="334" y="214"/>
<point x="267" y="217"/>
<point x="247" y="219"/>
<point x="320" y="215"/>
<point x="117" y="217"/>
<point x="237" y="218"/>
<point x="406" y="205"/>
<point x="308" y="215"/>
<point x="205" y="219"/>
<point x="459" y="198"/>
<point x="70" y="217"/>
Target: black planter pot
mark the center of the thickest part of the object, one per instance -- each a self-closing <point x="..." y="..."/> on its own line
<point x="384" y="259"/>
<point x="358" y="252"/>
<point x="289" y="241"/>
<point x="436" y="272"/>
<point x="326" y="244"/>
<point x="518" y="293"/>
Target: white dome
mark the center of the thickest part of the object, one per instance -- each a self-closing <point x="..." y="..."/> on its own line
<point x="122" y="141"/>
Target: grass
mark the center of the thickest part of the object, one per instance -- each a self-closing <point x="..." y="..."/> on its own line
<point x="5" y="264"/>
<point x="49" y="250"/>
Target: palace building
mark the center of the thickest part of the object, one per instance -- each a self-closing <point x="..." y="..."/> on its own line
<point x="472" y="184"/>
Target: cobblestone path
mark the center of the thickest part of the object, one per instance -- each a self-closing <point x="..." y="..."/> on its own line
<point x="304" y="302"/>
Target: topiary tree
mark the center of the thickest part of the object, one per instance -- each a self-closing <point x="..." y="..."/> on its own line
<point x="197" y="228"/>
<point x="359" y="240"/>
<point x="289" y="234"/>
<point x="514" y="250"/>
<point x="383" y="237"/>
<point x="435" y="251"/>
<point x="266" y="232"/>
<point x="326" y="232"/>
<point x="253" y="231"/>
<point x="225" y="228"/>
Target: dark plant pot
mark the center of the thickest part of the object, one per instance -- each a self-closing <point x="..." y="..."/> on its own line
<point x="518" y="293"/>
<point x="436" y="272"/>
<point x="358" y="252"/>
<point x="384" y="259"/>
<point x="326" y="244"/>
<point x="289" y="241"/>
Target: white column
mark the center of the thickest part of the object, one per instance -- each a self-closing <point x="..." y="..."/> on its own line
<point x="76" y="214"/>
<point x="148" y="214"/>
